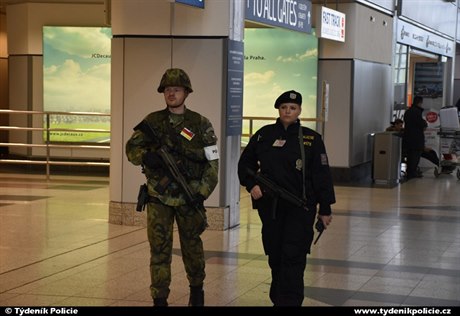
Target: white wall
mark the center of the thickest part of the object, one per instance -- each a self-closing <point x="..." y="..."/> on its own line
<point x="25" y="22"/>
<point x="25" y="48"/>
<point x="364" y="39"/>
<point x="202" y="59"/>
<point x="162" y="17"/>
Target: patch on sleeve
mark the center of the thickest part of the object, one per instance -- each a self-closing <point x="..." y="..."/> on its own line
<point x="209" y="137"/>
<point x="324" y="161"/>
<point x="211" y="152"/>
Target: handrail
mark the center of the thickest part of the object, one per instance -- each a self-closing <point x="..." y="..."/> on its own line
<point x="55" y="146"/>
<point x="47" y="144"/>
<point x="53" y="112"/>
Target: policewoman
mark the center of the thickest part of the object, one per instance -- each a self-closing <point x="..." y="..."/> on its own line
<point x="293" y="157"/>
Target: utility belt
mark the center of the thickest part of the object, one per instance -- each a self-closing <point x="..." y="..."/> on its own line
<point x="143" y="198"/>
<point x="154" y="199"/>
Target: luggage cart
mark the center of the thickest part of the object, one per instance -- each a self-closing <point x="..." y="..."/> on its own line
<point x="449" y="147"/>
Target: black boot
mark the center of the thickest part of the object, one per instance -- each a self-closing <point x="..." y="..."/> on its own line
<point x="196" y="296"/>
<point x="160" y="301"/>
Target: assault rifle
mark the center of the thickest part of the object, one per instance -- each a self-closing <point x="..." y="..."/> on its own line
<point x="276" y="191"/>
<point x="174" y="172"/>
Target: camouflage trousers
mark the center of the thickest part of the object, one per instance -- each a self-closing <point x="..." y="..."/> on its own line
<point x="160" y="224"/>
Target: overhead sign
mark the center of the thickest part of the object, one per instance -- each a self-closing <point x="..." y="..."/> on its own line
<point x="288" y="14"/>
<point x="193" y="3"/>
<point x="332" y="25"/>
<point x="416" y="37"/>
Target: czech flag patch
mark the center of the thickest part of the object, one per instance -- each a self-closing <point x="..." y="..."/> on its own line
<point x="188" y="134"/>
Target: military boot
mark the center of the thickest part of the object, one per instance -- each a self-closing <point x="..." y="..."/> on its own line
<point x="196" y="296"/>
<point x="160" y="301"/>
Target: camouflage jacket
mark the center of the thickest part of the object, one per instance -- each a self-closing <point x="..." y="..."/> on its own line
<point x="191" y="140"/>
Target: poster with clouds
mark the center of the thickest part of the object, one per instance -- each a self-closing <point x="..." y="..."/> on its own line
<point x="278" y="60"/>
<point x="76" y="78"/>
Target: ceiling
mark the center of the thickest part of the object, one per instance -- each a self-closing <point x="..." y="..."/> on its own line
<point x="4" y="3"/>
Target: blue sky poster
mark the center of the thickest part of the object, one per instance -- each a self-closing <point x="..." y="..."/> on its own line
<point x="76" y="78"/>
<point x="278" y="60"/>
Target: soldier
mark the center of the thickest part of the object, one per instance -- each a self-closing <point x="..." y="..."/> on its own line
<point x="189" y="137"/>
<point x="294" y="158"/>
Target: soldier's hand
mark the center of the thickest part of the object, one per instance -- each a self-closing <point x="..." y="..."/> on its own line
<point x="173" y="145"/>
<point x="198" y="200"/>
<point x="151" y="160"/>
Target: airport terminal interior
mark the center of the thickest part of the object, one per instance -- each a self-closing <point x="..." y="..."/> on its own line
<point x="386" y="246"/>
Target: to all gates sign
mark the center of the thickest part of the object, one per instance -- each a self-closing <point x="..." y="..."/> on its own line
<point x="288" y="14"/>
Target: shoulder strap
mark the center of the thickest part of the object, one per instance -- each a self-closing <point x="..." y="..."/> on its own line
<point x="302" y="155"/>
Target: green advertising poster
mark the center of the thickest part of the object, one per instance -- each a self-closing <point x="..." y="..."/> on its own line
<point x="76" y="78"/>
<point x="278" y="60"/>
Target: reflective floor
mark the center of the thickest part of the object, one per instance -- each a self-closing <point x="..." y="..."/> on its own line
<point x="398" y="246"/>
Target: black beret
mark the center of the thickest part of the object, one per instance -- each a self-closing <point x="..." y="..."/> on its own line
<point x="289" y="97"/>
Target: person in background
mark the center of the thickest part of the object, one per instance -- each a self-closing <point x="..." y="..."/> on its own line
<point x="396" y="126"/>
<point x="294" y="158"/>
<point x="428" y="153"/>
<point x="414" y="137"/>
<point x="190" y="139"/>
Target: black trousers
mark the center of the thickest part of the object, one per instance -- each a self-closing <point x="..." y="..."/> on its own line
<point x="286" y="239"/>
<point x="431" y="156"/>
<point x="413" y="159"/>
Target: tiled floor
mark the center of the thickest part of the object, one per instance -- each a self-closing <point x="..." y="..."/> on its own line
<point x="397" y="246"/>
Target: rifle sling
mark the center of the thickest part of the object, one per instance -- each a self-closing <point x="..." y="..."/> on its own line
<point x="302" y="155"/>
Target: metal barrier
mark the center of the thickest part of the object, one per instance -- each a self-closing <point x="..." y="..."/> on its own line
<point x="47" y="143"/>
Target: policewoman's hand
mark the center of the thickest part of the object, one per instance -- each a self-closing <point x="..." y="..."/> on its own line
<point x="256" y="192"/>
<point x="326" y="219"/>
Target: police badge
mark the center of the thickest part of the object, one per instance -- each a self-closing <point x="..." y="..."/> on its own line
<point x="298" y="164"/>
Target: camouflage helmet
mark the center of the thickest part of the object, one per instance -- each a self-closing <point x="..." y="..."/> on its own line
<point x="175" y="77"/>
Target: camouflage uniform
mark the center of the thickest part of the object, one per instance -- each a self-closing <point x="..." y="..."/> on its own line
<point x="189" y="137"/>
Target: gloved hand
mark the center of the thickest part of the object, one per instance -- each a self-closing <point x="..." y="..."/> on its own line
<point x="198" y="200"/>
<point x="174" y="146"/>
<point x="151" y="160"/>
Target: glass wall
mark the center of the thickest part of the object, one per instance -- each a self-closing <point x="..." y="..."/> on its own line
<point x="400" y="64"/>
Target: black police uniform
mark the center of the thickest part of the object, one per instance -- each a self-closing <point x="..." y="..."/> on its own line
<point x="288" y="235"/>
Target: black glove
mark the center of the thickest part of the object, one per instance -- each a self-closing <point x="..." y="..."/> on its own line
<point x="174" y="146"/>
<point x="151" y="160"/>
<point x="198" y="200"/>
